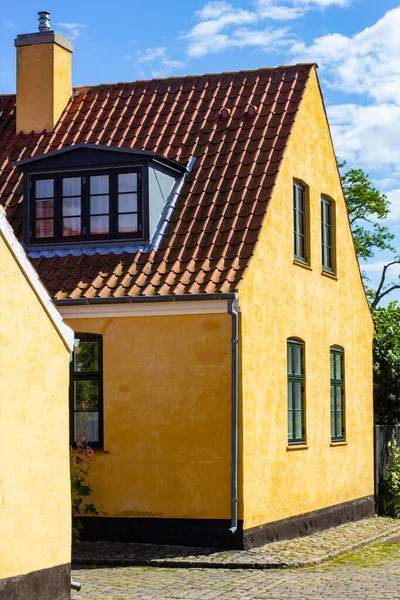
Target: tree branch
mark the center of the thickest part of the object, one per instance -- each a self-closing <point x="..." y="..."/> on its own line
<point x="379" y="294"/>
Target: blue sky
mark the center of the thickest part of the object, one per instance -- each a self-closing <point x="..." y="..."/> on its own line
<point x="355" y="42"/>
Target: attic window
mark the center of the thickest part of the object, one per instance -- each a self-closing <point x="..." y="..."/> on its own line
<point x="86" y="205"/>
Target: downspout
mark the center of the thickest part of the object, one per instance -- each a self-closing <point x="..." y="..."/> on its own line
<point x="235" y="414"/>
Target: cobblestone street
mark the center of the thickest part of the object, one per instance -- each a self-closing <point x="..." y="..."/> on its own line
<point x="371" y="573"/>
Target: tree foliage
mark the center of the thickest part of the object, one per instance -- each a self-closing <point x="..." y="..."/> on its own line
<point x="366" y="205"/>
<point x="387" y="364"/>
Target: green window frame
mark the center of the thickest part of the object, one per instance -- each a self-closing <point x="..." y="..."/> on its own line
<point x="326" y="234"/>
<point x="337" y="393"/>
<point x="300" y="222"/>
<point x="86" y="389"/>
<point x="295" y="376"/>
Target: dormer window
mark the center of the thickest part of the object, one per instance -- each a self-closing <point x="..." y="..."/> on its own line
<point x="90" y="193"/>
<point x="84" y="206"/>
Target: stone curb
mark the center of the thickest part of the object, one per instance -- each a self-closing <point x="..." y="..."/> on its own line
<point x="198" y="564"/>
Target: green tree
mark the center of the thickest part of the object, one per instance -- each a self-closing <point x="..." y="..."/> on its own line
<point x="366" y="204"/>
<point x="387" y="364"/>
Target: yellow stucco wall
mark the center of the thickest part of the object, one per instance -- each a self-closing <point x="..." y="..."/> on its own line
<point x="35" y="514"/>
<point x="44" y="85"/>
<point x="166" y="416"/>
<point x="278" y="300"/>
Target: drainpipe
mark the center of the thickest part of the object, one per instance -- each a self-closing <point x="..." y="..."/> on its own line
<point x="235" y="414"/>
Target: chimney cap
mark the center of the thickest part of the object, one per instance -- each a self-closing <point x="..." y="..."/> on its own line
<point x="44" y="20"/>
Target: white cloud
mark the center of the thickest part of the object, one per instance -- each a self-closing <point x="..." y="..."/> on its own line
<point x="8" y="24"/>
<point x="394" y="198"/>
<point x="366" y="135"/>
<point x="323" y="3"/>
<point x="377" y="266"/>
<point x="366" y="63"/>
<point x="159" y="63"/>
<point x="271" y="9"/>
<point x="222" y="27"/>
<point x="74" y="29"/>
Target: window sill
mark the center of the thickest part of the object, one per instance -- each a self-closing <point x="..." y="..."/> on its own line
<point x="299" y="263"/>
<point x="329" y="274"/>
<point x="338" y="443"/>
<point x="291" y="447"/>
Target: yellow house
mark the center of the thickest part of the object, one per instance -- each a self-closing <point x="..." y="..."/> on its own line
<point x="193" y="233"/>
<point x="35" y="513"/>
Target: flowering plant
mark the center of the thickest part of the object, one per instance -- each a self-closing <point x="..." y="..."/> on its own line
<point x="80" y="458"/>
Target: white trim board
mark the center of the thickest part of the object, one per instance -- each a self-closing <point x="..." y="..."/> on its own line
<point x="144" y="309"/>
<point x="6" y="232"/>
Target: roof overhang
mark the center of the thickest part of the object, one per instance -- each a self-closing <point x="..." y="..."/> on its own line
<point x="66" y="154"/>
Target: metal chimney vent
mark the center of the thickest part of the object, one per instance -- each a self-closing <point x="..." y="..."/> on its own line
<point x="44" y="20"/>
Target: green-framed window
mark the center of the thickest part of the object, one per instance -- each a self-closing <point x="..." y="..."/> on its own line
<point x="337" y="394"/>
<point x="295" y="371"/>
<point x="326" y="234"/>
<point x="300" y="222"/>
<point x="86" y="389"/>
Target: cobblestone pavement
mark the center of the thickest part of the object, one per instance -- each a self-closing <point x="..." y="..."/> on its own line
<point x="359" y="577"/>
<point x="309" y="550"/>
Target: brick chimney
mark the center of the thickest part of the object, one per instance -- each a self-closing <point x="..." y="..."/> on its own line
<point x="44" y="77"/>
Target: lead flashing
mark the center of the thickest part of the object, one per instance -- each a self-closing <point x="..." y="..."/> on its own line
<point x="44" y="37"/>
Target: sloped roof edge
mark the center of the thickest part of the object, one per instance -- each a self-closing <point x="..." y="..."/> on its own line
<point x="98" y="147"/>
<point x="6" y="232"/>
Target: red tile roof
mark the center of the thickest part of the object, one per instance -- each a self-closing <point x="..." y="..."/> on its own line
<point x="214" y="227"/>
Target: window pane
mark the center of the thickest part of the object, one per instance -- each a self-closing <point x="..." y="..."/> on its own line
<point x="71" y="186"/>
<point x="302" y="201"/>
<point x="290" y="395"/>
<point x="127" y="182"/>
<point x="339" y="428"/>
<point x="89" y="423"/>
<point x="338" y="370"/>
<point x="99" y="205"/>
<point x="332" y="365"/>
<point x="297" y="395"/>
<point x="71" y="207"/>
<point x="45" y="188"/>
<point x="338" y="398"/>
<point x="99" y="184"/>
<point x="332" y="397"/>
<point x="298" y="425"/>
<point x="127" y="203"/>
<point x="297" y="360"/>
<point x="44" y="209"/>
<point x="302" y="249"/>
<point x="290" y="425"/>
<point x="44" y="228"/>
<point x="71" y="226"/>
<point x="333" y="424"/>
<point x="127" y="223"/>
<point x="289" y="359"/>
<point x="86" y="356"/>
<point x="99" y="225"/>
<point x="86" y="395"/>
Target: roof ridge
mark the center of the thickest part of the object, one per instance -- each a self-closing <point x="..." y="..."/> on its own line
<point x="198" y="76"/>
<point x="105" y="85"/>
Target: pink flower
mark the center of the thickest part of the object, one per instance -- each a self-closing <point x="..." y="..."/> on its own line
<point x="83" y="404"/>
<point x="89" y="452"/>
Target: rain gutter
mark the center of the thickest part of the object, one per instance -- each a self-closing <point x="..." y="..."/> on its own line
<point x="234" y="412"/>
